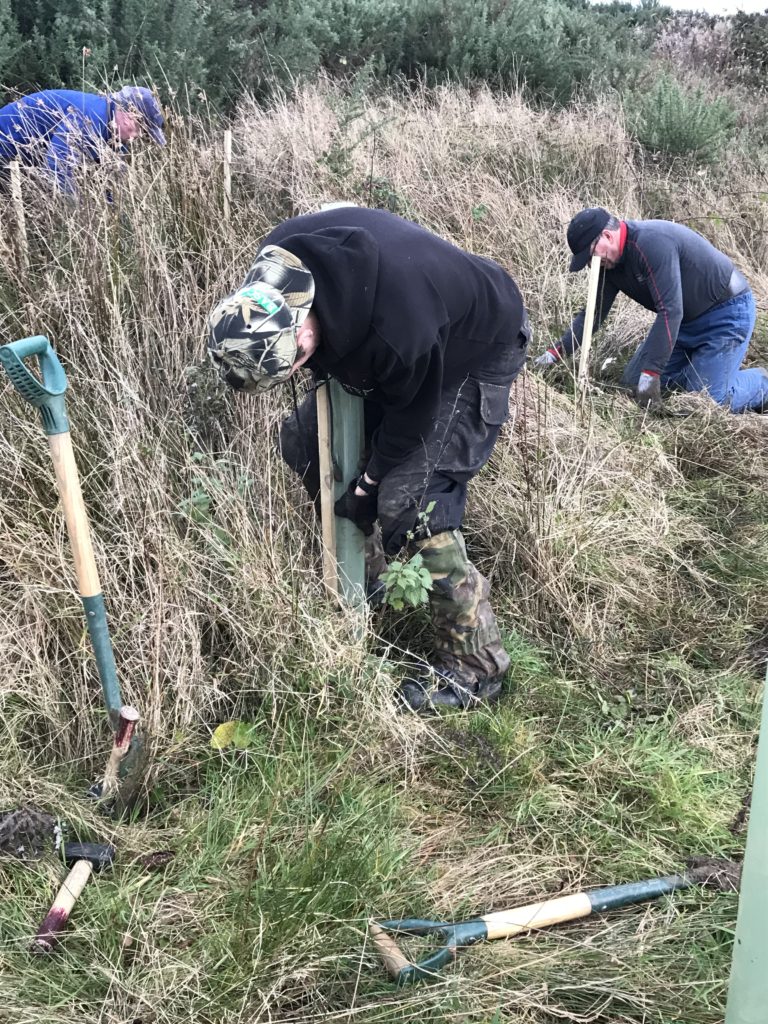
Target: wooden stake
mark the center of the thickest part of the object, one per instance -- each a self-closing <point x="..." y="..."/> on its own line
<point x="589" y="319"/>
<point x="227" y="172"/>
<point x="128" y="720"/>
<point x="17" y="201"/>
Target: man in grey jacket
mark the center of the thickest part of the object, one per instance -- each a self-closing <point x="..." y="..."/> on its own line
<point x="705" y="310"/>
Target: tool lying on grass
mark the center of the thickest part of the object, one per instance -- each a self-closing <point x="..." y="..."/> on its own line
<point x="82" y="859"/>
<point x="454" y="936"/>
<point x="46" y="393"/>
<point x="27" y="833"/>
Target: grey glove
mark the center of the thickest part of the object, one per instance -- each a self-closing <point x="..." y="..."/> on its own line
<point x="648" y="391"/>
<point x="548" y="358"/>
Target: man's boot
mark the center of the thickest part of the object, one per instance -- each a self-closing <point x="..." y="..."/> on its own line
<point x="469" y="662"/>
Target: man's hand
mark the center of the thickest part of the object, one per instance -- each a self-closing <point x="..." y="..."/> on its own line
<point x="648" y="393"/>
<point x="548" y="358"/>
<point x="359" y="503"/>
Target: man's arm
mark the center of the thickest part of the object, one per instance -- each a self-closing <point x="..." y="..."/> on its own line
<point x="73" y="139"/>
<point x="411" y="399"/>
<point x="661" y="263"/>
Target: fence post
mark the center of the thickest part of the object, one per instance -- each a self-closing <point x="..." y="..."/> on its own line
<point x="227" y="172"/>
<point x="327" y="489"/>
<point x="347" y="444"/>
<point x="582" y="377"/>
<point x="17" y="201"/>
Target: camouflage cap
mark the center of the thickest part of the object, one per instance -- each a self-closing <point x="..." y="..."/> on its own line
<point x="252" y="333"/>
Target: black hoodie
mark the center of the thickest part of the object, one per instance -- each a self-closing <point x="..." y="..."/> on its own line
<point x="403" y="315"/>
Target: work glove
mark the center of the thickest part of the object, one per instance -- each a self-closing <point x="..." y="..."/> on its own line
<point x="360" y="508"/>
<point x="648" y="391"/>
<point x="548" y="358"/>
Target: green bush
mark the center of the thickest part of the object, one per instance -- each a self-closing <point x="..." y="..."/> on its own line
<point x="749" y="49"/>
<point x="215" y="52"/>
<point x="679" y="122"/>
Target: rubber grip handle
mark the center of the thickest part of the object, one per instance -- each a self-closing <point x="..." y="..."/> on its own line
<point x="54" y="380"/>
<point x="26" y="347"/>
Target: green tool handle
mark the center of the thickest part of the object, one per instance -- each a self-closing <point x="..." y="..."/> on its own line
<point x="505" y="924"/>
<point x="45" y="392"/>
<point x="68" y="482"/>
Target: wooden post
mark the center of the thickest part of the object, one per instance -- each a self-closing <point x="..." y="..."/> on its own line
<point x="589" y="319"/>
<point x="22" y="247"/>
<point x="347" y="444"/>
<point x="227" y="172"/>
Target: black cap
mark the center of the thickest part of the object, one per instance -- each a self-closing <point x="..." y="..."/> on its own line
<point x="582" y="232"/>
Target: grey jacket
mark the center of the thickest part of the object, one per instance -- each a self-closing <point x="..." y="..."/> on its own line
<point x="668" y="268"/>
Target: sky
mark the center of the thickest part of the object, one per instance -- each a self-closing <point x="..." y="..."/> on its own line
<point x="718" y="6"/>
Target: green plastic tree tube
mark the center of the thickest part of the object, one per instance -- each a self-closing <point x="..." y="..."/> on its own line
<point x="748" y="989"/>
<point x="347" y="444"/>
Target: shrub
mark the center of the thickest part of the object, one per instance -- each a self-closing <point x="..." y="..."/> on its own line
<point x="679" y="122"/>
<point x="211" y="52"/>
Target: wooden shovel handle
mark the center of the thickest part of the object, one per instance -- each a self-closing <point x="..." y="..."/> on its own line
<point x="506" y="923"/>
<point x="392" y="956"/>
<point x="68" y="483"/>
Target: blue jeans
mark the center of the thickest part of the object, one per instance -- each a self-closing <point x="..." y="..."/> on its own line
<point x="708" y="355"/>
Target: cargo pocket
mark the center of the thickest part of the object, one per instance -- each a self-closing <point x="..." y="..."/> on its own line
<point x="475" y="434"/>
<point x="494" y="402"/>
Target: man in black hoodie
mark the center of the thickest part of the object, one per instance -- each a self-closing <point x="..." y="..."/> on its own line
<point x="432" y="338"/>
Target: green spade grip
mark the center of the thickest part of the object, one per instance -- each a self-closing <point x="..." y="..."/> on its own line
<point x="45" y="392"/>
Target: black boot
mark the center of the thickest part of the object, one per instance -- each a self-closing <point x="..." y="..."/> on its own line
<point x="443" y="686"/>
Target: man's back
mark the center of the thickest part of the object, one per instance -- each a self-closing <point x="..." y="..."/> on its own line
<point x="379" y="274"/>
<point x="28" y="125"/>
<point x="664" y="259"/>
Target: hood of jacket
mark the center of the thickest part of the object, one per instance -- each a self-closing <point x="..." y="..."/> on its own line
<point x="344" y="261"/>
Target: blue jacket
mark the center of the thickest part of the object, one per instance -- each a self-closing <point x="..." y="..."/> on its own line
<point x="56" y="129"/>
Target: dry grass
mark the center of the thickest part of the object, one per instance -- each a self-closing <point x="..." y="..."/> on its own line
<point x="628" y="564"/>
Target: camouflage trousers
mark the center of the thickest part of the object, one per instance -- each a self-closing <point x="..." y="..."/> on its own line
<point x="467" y="640"/>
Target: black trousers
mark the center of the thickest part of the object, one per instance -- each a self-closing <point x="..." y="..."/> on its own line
<point x="459" y="444"/>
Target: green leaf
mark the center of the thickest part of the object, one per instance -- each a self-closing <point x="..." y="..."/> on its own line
<point x="235" y="734"/>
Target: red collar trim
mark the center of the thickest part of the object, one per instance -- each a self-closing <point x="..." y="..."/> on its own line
<point x="622" y="237"/>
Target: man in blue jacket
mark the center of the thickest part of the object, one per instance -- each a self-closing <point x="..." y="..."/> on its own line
<point x="432" y="338"/>
<point x="60" y="129"/>
<point x="705" y="310"/>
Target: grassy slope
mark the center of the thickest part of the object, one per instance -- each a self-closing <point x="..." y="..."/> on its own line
<point x="628" y="562"/>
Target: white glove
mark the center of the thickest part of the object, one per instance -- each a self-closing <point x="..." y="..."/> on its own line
<point x="548" y="358"/>
<point x="649" y="391"/>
